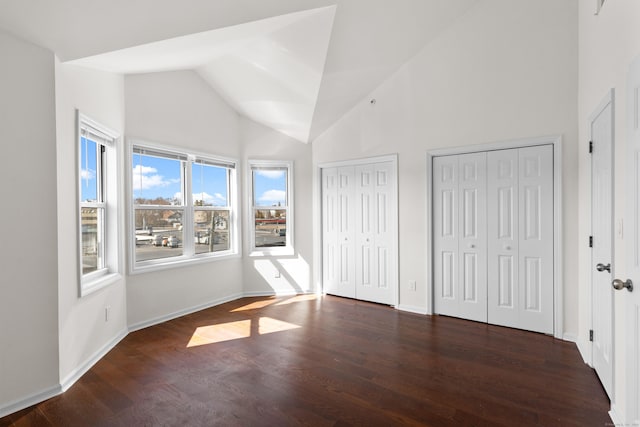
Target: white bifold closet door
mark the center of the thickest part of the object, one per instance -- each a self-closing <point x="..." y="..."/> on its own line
<point x="359" y="231"/>
<point x="520" y="244"/>
<point x="493" y="237"/>
<point x="460" y="238"/>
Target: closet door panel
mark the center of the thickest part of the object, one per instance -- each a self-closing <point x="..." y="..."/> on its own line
<point x="472" y="240"/>
<point x="502" y="228"/>
<point x="346" y="233"/>
<point x="376" y="240"/>
<point x="536" y="238"/>
<point x="445" y="235"/>
<point x="330" y="247"/>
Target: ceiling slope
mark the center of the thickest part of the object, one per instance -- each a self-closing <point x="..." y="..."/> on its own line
<point x="296" y="66"/>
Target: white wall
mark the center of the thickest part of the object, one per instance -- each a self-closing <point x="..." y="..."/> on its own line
<point x="608" y="44"/>
<point x="179" y="109"/>
<point x="505" y="70"/>
<point x="262" y="143"/>
<point x="83" y="330"/>
<point x="28" y="261"/>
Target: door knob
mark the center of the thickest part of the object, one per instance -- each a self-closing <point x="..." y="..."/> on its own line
<point x="602" y="267"/>
<point x="619" y="285"/>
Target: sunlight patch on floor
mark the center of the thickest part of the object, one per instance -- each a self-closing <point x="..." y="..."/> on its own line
<point x="255" y="305"/>
<point x="213" y="334"/>
<point x="299" y="298"/>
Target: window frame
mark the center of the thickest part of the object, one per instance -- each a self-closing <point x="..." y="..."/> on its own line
<point x="107" y="148"/>
<point x="288" y="249"/>
<point x="187" y="158"/>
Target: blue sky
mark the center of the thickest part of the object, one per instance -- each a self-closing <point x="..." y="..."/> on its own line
<point x="88" y="157"/>
<point x="155" y="177"/>
<point x="269" y="187"/>
<point x="158" y="177"/>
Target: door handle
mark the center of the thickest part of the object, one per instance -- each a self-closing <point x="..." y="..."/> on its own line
<point x="619" y="285"/>
<point x="602" y="267"/>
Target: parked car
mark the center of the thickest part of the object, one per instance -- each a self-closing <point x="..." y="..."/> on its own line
<point x="157" y="240"/>
<point x="173" y="242"/>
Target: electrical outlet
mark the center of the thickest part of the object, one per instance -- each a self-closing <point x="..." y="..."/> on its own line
<point x="412" y="285"/>
<point x="277" y="276"/>
<point x="107" y="313"/>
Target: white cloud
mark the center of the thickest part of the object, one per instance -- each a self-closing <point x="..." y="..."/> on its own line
<point x="271" y="174"/>
<point x="87" y="174"/>
<point x="215" y="199"/>
<point x="145" y="177"/>
<point x="273" y="197"/>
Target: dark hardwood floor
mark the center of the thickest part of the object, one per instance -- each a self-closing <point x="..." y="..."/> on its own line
<point x="328" y="361"/>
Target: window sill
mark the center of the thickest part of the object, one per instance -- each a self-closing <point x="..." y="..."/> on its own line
<point x="90" y="286"/>
<point x="164" y="264"/>
<point x="272" y="252"/>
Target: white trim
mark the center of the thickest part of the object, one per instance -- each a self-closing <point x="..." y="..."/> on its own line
<point x="183" y="312"/>
<point x="412" y="309"/>
<point x="570" y="337"/>
<point x="274" y="293"/>
<point x="110" y="184"/>
<point x="77" y="373"/>
<point x="584" y="348"/>
<point x="617" y="420"/>
<point x="585" y="345"/>
<point x="34" y="399"/>
<point x="188" y="256"/>
<point x="363" y="161"/>
<point x="289" y="248"/>
<point x="556" y="142"/>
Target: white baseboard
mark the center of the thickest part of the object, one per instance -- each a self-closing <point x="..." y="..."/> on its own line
<point x="412" y="309"/>
<point x="570" y="337"/>
<point x="77" y="373"/>
<point x="34" y="399"/>
<point x="184" y="312"/>
<point x="584" y="348"/>
<point x="615" y="416"/>
<point x="273" y="293"/>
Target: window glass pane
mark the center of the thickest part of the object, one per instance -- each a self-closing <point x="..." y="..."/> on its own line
<point x="88" y="170"/>
<point x="270" y="187"/>
<point x="158" y="233"/>
<point x="270" y="227"/>
<point x="91" y="220"/>
<point x="209" y="185"/>
<point x="211" y="230"/>
<point x="156" y="180"/>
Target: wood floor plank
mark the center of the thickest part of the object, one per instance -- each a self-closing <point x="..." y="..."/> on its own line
<point x="328" y="361"/>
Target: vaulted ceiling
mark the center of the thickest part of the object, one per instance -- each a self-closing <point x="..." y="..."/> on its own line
<point x="293" y="65"/>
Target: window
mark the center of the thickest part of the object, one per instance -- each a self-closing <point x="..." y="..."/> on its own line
<point x="183" y="206"/>
<point x="97" y="189"/>
<point x="271" y="229"/>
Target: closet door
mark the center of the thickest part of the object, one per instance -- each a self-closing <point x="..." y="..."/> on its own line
<point x="330" y="247"/>
<point x="473" y="236"/>
<point x="346" y="281"/>
<point x="520" y="244"/>
<point x="460" y="239"/>
<point x="535" y="252"/>
<point x="503" y="237"/>
<point x="374" y="241"/>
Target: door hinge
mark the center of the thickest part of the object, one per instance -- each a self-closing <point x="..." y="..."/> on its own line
<point x="591" y="335"/>
<point x="590" y="146"/>
<point x="590" y="241"/>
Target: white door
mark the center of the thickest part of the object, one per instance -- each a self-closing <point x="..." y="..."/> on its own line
<point x="460" y="239"/>
<point x="375" y="263"/>
<point x="520" y="242"/>
<point x="535" y="246"/>
<point x="632" y="300"/>
<point x="338" y="260"/>
<point x="330" y="248"/>
<point x="602" y="252"/>
<point x="503" y="237"/>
